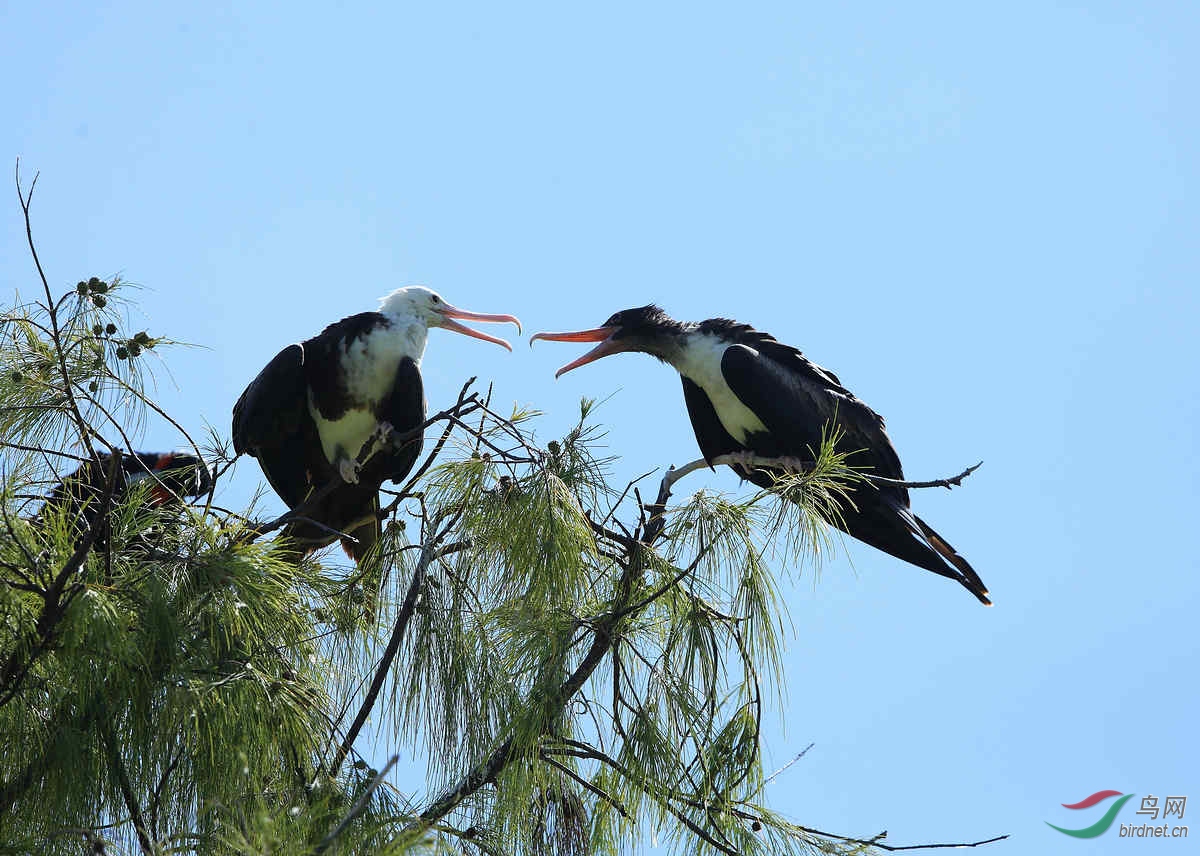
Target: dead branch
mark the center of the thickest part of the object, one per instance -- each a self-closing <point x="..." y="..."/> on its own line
<point x="876" y="842"/>
<point x="656" y="510"/>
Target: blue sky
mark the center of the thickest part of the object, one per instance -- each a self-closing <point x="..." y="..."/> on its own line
<point x="984" y="220"/>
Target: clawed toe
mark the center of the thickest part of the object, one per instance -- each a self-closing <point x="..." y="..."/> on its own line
<point x="348" y="470"/>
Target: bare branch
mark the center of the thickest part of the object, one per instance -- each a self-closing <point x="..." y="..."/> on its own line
<point x="657" y="510"/>
<point x="952" y="481"/>
<point x="875" y="842"/>
<point x="429" y="552"/>
<point x="77" y="415"/>
<point x="782" y="769"/>
<point x="459" y="406"/>
<point x="796" y="465"/>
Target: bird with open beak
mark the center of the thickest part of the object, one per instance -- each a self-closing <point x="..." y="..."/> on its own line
<point x="312" y="410"/>
<point x="748" y="393"/>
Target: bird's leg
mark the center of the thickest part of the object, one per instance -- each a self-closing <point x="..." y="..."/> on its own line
<point x="750" y="461"/>
<point x="794" y="465"/>
<point x="379" y="438"/>
<point x="747" y="460"/>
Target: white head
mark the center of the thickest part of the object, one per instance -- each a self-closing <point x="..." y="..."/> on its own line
<point x="420" y="305"/>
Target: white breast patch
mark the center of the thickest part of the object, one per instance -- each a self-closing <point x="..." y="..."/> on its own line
<point x="700" y="362"/>
<point x="370" y="364"/>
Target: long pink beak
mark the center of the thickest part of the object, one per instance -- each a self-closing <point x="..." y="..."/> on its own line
<point x="447" y="312"/>
<point x="600" y="334"/>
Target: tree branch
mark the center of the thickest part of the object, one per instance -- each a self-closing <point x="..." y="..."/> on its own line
<point x="875" y="842"/>
<point x="118" y="770"/>
<point x="608" y="798"/>
<point x="602" y="641"/>
<point x="358" y="808"/>
<point x="429" y="552"/>
<point x="57" y="597"/>
<point x="657" y="509"/>
<point x="51" y="309"/>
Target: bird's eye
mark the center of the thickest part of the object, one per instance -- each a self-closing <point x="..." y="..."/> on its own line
<point x="436" y="299"/>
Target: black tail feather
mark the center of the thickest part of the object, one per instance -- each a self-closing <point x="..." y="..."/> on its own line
<point x="894" y="529"/>
<point x="969" y="579"/>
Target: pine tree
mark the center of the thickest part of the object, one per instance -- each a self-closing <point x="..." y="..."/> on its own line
<point x="577" y="667"/>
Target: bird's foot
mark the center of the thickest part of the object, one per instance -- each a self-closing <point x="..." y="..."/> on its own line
<point x="749" y="461"/>
<point x="745" y="460"/>
<point x="348" y="470"/>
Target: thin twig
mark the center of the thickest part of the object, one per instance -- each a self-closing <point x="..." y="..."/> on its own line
<point x="458" y="405"/>
<point x="608" y="798"/>
<point x="428" y="553"/>
<point x="801" y="754"/>
<point x="80" y="423"/>
<point x="8" y="444"/>
<point x="395" y="438"/>
<point x="122" y="776"/>
<point x="875" y="842"/>
<point x="953" y="481"/>
<point x="358" y="808"/>
<point x="661" y="590"/>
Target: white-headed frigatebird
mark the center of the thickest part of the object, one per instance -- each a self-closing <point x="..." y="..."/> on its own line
<point x="747" y="392"/>
<point x="310" y="413"/>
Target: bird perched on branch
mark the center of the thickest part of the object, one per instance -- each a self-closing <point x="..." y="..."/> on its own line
<point x="172" y="476"/>
<point x="748" y="393"/>
<point x="323" y="416"/>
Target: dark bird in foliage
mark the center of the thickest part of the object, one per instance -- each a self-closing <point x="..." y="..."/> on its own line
<point x="747" y="392"/>
<point x="173" y="476"/>
<point x="310" y="413"/>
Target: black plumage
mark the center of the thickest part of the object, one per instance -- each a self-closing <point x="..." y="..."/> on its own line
<point x="747" y="392"/>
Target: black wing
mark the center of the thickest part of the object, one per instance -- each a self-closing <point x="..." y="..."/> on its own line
<point x="271" y="422"/>
<point x="795" y="399"/>
<point x="271" y="406"/>
<point x="798" y="401"/>
<point x="404" y="409"/>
